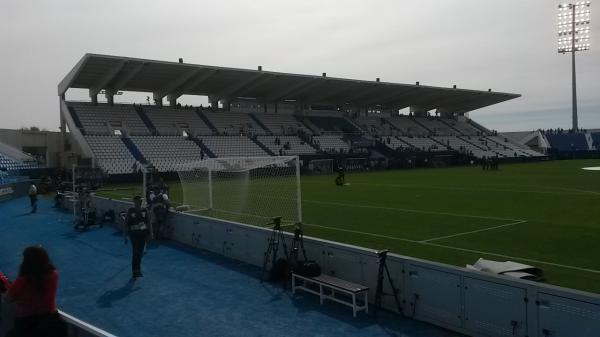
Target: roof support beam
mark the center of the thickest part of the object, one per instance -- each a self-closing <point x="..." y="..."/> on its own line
<point x="190" y="84"/>
<point x="106" y="79"/>
<point x="329" y="94"/>
<point x="66" y="82"/>
<point x="387" y="99"/>
<point x="393" y="96"/>
<point x="122" y="80"/>
<point x="256" y="84"/>
<point x="176" y="83"/>
<point x="452" y="98"/>
<point x="293" y="90"/>
<point x="469" y="104"/>
<point x="368" y="92"/>
<point x="413" y="98"/>
<point x="240" y="86"/>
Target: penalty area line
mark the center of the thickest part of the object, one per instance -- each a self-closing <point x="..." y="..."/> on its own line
<point x="459" y="249"/>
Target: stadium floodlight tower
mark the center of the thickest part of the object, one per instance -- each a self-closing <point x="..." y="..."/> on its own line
<point x="574" y="36"/>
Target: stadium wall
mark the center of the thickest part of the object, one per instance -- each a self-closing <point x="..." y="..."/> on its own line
<point x="14" y="190"/>
<point x="47" y="142"/>
<point x="466" y="301"/>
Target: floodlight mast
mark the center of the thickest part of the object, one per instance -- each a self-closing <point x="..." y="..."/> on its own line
<point x="579" y="14"/>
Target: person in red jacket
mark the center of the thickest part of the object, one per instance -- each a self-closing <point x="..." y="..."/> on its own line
<point x="34" y="293"/>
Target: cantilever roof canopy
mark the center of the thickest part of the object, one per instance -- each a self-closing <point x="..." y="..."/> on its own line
<point x="173" y="79"/>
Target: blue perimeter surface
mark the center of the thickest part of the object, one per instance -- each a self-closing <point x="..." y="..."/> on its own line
<point x="184" y="291"/>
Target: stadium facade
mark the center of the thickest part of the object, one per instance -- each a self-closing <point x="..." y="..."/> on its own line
<point x="258" y="113"/>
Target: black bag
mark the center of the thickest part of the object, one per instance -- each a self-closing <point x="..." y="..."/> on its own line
<point x="308" y="268"/>
<point x="48" y="325"/>
<point x="109" y="216"/>
<point x="279" y="271"/>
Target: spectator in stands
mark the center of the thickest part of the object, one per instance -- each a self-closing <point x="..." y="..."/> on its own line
<point x="33" y="192"/>
<point x="137" y="228"/>
<point x="34" y="293"/>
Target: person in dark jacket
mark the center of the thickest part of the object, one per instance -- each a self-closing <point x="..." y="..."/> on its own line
<point x="33" y="192"/>
<point x="137" y="227"/>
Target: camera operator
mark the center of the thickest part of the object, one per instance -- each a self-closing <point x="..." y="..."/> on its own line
<point x="160" y="209"/>
<point x="136" y="227"/>
<point x="340" y="180"/>
<point x="33" y="194"/>
<point x="162" y="185"/>
<point x="60" y="194"/>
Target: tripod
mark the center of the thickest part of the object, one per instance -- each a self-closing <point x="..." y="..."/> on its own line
<point x="273" y="246"/>
<point x="382" y="255"/>
<point x="297" y="245"/>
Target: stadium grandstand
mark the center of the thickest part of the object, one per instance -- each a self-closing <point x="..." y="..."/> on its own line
<point x="262" y="113"/>
<point x="15" y="160"/>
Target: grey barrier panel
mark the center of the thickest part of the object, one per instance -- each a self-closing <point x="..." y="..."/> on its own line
<point x="14" y="190"/>
<point x="493" y="309"/>
<point x="451" y="297"/>
<point x="563" y="317"/>
<point x="434" y="295"/>
<point x="342" y="263"/>
<point x="256" y="242"/>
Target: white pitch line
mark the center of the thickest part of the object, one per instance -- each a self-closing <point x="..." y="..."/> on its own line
<point x="513" y="257"/>
<point x="559" y="191"/>
<point x="474" y="231"/>
<point x="409" y="210"/>
<point x="459" y="249"/>
<point x="363" y="233"/>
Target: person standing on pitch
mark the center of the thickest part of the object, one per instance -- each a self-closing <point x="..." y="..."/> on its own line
<point x="33" y="197"/>
<point x="137" y="228"/>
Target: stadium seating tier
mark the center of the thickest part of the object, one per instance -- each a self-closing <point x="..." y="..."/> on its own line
<point x="168" y="136"/>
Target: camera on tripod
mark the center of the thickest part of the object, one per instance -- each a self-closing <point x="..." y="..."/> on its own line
<point x="280" y="267"/>
<point x="382" y="253"/>
<point x="382" y="272"/>
<point x="276" y="222"/>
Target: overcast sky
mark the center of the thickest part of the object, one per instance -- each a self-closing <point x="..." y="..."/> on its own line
<point x="505" y="45"/>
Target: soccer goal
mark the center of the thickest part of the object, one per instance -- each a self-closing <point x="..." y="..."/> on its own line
<point x="357" y="164"/>
<point x="324" y="166"/>
<point x="250" y="190"/>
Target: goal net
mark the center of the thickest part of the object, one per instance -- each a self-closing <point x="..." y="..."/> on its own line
<point x="357" y="164"/>
<point x="324" y="166"/>
<point x="250" y="190"/>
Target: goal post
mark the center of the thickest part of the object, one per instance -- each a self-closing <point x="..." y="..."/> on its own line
<point x="250" y="190"/>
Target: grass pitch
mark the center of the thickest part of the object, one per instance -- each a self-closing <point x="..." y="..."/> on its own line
<point x="545" y="214"/>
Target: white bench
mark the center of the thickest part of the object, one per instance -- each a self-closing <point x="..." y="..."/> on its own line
<point x="334" y="285"/>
